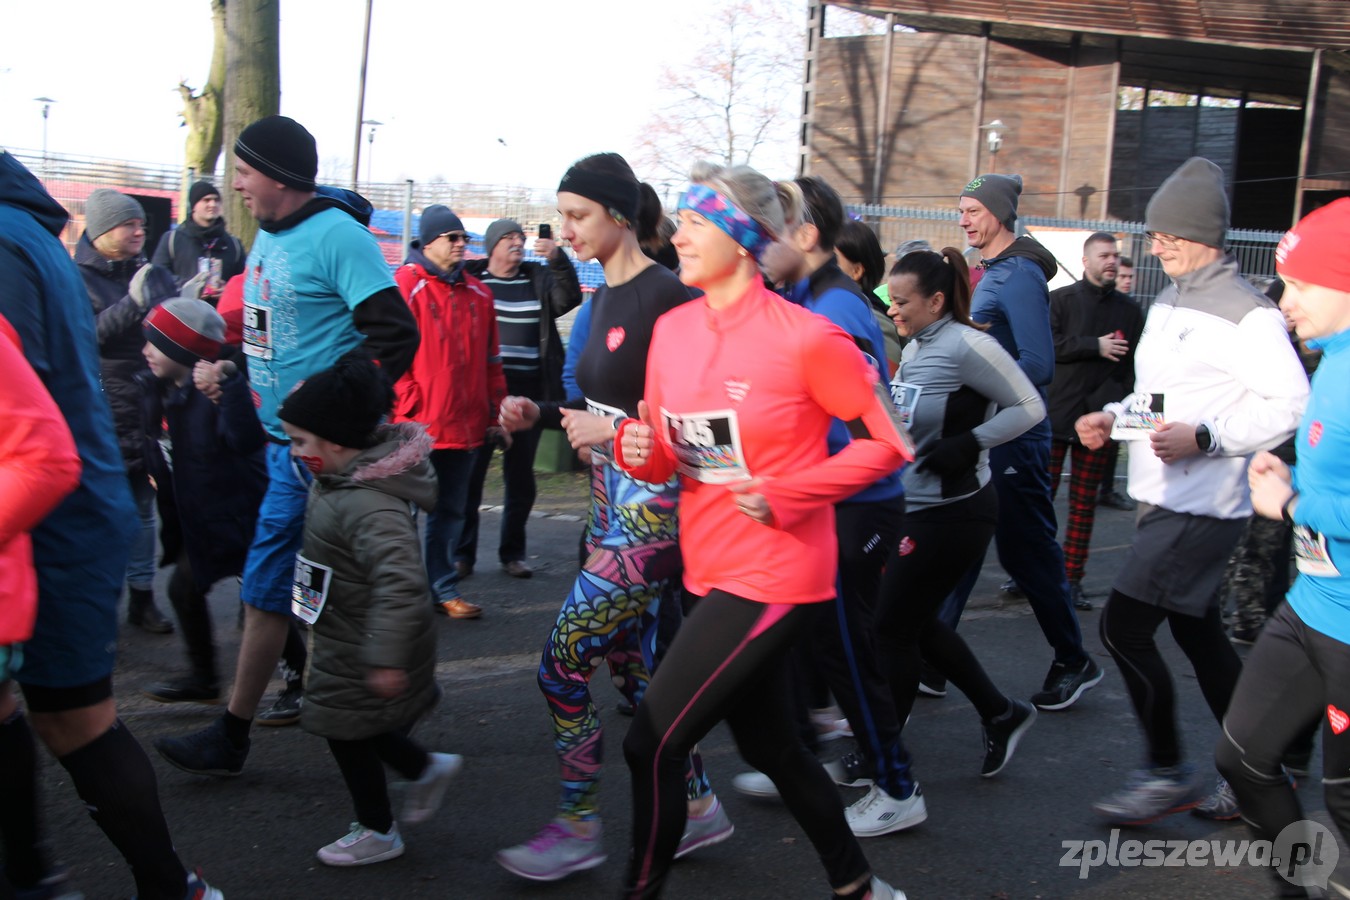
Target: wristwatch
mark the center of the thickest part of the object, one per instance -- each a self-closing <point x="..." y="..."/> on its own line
<point x="1204" y="438"/>
<point x="1285" y="514"/>
<point x="616" y="422"/>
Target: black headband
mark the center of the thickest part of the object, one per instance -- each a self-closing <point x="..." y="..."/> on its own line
<point x="610" y="192"/>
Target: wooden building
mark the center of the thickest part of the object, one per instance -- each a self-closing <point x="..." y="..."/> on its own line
<point x="1262" y="87"/>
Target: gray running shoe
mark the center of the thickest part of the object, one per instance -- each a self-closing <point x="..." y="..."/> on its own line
<point x="553" y="853"/>
<point x="713" y="827"/>
<point x="1221" y="806"/>
<point x="362" y="846"/>
<point x="1149" y="795"/>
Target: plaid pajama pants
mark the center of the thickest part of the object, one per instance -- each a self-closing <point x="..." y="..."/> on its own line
<point x="1085" y="480"/>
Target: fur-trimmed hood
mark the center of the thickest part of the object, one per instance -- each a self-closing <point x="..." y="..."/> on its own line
<point x="400" y="465"/>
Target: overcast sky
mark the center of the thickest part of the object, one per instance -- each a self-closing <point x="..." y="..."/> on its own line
<point x="553" y="81"/>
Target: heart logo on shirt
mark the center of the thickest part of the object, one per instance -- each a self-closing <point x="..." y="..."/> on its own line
<point x="906" y="546"/>
<point x="737" y="388"/>
<point x="614" y="338"/>
<point x="1339" y="720"/>
<point x="1314" y="434"/>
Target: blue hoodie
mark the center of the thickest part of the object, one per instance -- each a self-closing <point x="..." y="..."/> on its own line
<point x="80" y="549"/>
<point x="830" y="293"/>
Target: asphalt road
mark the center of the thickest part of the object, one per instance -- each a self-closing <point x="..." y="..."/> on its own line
<point x="255" y="835"/>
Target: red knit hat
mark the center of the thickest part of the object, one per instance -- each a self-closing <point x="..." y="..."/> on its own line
<point x="186" y="330"/>
<point x="1317" y="249"/>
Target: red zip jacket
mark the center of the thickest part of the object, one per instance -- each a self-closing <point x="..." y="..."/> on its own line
<point x="455" y="384"/>
<point x="39" y="466"/>
<point x="749" y="391"/>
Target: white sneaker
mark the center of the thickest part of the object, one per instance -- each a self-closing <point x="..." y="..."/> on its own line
<point x="879" y="813"/>
<point x="362" y="846"/>
<point x="424" y="795"/>
<point x="883" y="891"/>
<point x="755" y="784"/>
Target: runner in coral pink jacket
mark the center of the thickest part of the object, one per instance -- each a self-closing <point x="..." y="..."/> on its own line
<point x="741" y="388"/>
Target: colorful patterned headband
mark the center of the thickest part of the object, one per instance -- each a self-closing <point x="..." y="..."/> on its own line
<point x="721" y="212"/>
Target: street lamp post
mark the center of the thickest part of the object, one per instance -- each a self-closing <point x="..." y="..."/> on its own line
<point x="994" y="133"/>
<point x="46" y="114"/>
<point x="370" y="149"/>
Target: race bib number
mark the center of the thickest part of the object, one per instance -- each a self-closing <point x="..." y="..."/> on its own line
<point x="602" y="451"/>
<point x="1311" y="554"/>
<point x="257" y="332"/>
<point x="1143" y="415"/>
<point x="707" y="445"/>
<point x="309" y="592"/>
<point x="904" y="397"/>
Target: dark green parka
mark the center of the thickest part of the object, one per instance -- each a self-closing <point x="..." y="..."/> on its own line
<point x="361" y="540"/>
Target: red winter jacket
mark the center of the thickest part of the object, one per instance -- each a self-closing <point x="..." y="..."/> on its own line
<point x="455" y="385"/>
<point x="39" y="466"/>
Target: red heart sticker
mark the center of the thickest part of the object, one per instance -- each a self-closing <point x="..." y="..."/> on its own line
<point x="1314" y="434"/>
<point x="614" y="339"/>
<point x="1339" y="720"/>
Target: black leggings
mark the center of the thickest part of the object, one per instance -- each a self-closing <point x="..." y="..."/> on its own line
<point x="1294" y="675"/>
<point x="728" y="662"/>
<point x="360" y="762"/>
<point x="1127" y="628"/>
<point x="194" y="619"/>
<point x="938" y="545"/>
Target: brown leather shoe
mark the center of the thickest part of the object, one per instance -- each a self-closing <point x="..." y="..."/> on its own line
<point x="517" y="569"/>
<point x="459" y="608"/>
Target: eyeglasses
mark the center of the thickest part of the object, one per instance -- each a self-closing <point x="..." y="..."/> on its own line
<point x="456" y="237"/>
<point x="1168" y="241"/>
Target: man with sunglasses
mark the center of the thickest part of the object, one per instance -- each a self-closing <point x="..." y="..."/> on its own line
<point x="454" y="387"/>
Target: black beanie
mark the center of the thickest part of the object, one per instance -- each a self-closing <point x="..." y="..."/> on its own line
<point x="344" y="404"/>
<point x="281" y="149"/>
<point x="199" y="191"/>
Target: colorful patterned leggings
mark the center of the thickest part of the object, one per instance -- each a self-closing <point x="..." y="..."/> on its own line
<point x="632" y="566"/>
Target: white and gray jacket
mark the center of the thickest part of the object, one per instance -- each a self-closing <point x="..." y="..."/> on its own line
<point x="1216" y="349"/>
<point x="964" y="381"/>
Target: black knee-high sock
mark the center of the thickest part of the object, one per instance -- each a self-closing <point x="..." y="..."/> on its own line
<point x="114" y="778"/>
<point x="25" y="862"/>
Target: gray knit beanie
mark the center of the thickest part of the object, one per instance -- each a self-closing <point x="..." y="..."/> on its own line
<point x="998" y="194"/>
<point x="105" y="209"/>
<point x="498" y="230"/>
<point x="1191" y="204"/>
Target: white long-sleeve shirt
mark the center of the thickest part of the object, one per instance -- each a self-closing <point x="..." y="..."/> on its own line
<point x="1217" y="350"/>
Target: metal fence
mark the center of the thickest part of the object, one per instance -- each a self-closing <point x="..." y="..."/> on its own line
<point x="71" y="179"/>
<point x="1255" y="250"/>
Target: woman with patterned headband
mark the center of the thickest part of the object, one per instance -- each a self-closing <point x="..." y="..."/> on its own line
<point x="632" y="562"/>
<point x="741" y="389"/>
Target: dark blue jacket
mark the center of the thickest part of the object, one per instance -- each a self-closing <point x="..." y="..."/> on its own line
<point x="80" y="549"/>
<point x="213" y="482"/>
<point x="830" y="293"/>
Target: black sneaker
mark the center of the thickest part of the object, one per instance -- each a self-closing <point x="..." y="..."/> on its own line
<point x="1001" y="736"/>
<point x="931" y="682"/>
<point x="1080" y="600"/>
<point x="186" y="689"/>
<point x="851" y="771"/>
<point x="286" y="709"/>
<point x="1010" y="588"/>
<point x="1117" y="500"/>
<point x="205" y="752"/>
<point x="1064" y="685"/>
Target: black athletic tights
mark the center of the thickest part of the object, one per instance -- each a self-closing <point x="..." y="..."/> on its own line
<point x="1127" y="628"/>
<point x="728" y="662"/>
<point x="361" y="764"/>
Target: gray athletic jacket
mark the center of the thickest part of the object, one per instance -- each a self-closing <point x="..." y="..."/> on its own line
<point x="953" y="382"/>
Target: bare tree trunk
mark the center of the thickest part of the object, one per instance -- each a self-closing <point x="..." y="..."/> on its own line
<point x="252" y="88"/>
<point x="203" y="112"/>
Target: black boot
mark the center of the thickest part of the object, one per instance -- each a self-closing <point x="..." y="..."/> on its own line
<point x="142" y="613"/>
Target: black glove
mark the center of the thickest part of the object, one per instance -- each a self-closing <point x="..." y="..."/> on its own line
<point x="955" y="455"/>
